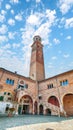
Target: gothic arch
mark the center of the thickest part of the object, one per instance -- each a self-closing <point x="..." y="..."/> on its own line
<point x="23" y="94"/>
<point x="26" y="96"/>
<point x="68" y="103"/>
<point x="53" y="100"/>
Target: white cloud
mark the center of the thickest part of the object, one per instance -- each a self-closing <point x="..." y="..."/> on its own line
<point x="14" y="64"/>
<point x="33" y="19"/>
<point x="39" y="18"/>
<point x="11" y="35"/>
<point x="37" y="1"/>
<point x="51" y="15"/>
<point x="7" y="46"/>
<point x="15" y="45"/>
<point x="8" y="6"/>
<point x="36" y="24"/>
<point x="2" y="18"/>
<point x="12" y="11"/>
<point x="71" y="64"/>
<point x="50" y="66"/>
<point x="64" y="8"/>
<point x="27" y="34"/>
<point x="11" y="22"/>
<point x="54" y="58"/>
<point x="3" y="29"/>
<point x="68" y="37"/>
<point x="40" y="31"/>
<point x="6" y="51"/>
<point x="1" y="52"/>
<point x="27" y="0"/>
<point x="14" y="1"/>
<point x="56" y="41"/>
<point x="3" y="12"/>
<point x="18" y="17"/>
<point x="65" y="5"/>
<point x="3" y="39"/>
<point x="66" y="55"/>
<point x="43" y="22"/>
<point x="11" y="62"/>
<point x="1" y="2"/>
<point x="62" y="20"/>
<point x="69" y="23"/>
<point x="9" y="52"/>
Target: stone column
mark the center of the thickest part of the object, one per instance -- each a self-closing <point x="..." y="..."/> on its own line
<point x="62" y="109"/>
<point x="38" y="108"/>
<point x="17" y="109"/>
<point x="33" y="106"/>
<point x="44" y="110"/>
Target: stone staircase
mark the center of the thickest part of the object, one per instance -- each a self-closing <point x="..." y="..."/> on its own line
<point x="55" y="110"/>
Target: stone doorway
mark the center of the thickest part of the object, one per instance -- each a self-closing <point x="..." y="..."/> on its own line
<point x="25" y="109"/>
<point x="48" y="112"/>
<point x="20" y="109"/>
<point x="41" y="109"/>
<point x="26" y="104"/>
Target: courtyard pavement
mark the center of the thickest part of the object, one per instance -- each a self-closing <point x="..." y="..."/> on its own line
<point x="36" y="122"/>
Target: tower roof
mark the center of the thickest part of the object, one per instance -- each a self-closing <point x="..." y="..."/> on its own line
<point x="36" y="39"/>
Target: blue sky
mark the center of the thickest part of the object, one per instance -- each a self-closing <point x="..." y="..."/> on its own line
<point x="21" y="20"/>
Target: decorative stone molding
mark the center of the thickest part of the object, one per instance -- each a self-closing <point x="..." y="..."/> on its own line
<point x="21" y="82"/>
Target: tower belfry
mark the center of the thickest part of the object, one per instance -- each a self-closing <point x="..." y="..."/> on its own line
<point x="37" y="71"/>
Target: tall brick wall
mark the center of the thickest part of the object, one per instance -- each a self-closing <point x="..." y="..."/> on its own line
<point x="58" y="91"/>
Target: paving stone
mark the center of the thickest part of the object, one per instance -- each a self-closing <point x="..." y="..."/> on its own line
<point x="36" y="122"/>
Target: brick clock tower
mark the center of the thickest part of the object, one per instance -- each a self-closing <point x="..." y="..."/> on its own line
<point x="37" y="71"/>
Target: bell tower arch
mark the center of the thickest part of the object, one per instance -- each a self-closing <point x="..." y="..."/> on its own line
<point x="37" y="71"/>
